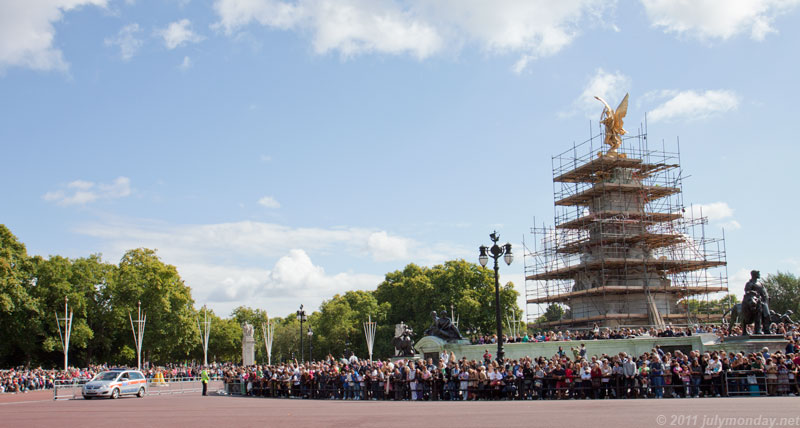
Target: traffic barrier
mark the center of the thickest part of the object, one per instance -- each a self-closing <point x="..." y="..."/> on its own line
<point x="68" y="389"/>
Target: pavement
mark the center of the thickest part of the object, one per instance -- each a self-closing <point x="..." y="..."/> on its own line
<point x="193" y="410"/>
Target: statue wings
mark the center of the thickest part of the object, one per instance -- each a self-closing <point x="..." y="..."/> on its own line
<point x="619" y="113"/>
<point x="622" y="110"/>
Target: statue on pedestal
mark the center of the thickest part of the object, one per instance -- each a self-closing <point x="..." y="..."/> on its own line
<point x="443" y="327"/>
<point x="755" y="305"/>
<point x="403" y="340"/>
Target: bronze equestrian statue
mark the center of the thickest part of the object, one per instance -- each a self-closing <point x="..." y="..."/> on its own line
<point x="755" y="306"/>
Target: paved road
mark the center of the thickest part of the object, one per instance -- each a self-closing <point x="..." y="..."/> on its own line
<point x="216" y="411"/>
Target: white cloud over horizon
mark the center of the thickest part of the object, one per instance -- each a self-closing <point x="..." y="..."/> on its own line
<point x="81" y="192"/>
<point x="27" y="32"/>
<point x="227" y="263"/>
<point x="717" y="19"/>
<point x="691" y="105"/>
<point x="530" y="30"/>
<point x="179" y="33"/>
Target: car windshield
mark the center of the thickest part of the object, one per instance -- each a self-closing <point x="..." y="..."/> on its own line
<point x="107" y="376"/>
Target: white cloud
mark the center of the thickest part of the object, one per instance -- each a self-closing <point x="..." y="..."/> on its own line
<point x="212" y="243"/>
<point x="384" y="247"/>
<point x="530" y="29"/>
<point x="126" y="41"/>
<point x="691" y="105"/>
<point x="80" y="192"/>
<point x="612" y="87"/>
<point x="27" y="32"/>
<point x="717" y="19"/>
<point x="269" y="202"/>
<point x="179" y="33"/>
<point x="225" y="263"/>
<point x="719" y="212"/>
<point x="186" y="63"/>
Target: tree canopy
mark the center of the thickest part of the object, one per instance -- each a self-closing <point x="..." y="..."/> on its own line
<point x="103" y="296"/>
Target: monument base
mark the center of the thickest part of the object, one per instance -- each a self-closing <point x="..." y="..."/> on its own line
<point x="750" y="343"/>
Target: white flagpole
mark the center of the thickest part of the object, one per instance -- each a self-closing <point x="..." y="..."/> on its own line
<point x="205" y="332"/>
<point x="138" y="334"/>
<point x="369" y="332"/>
<point x="268" y="329"/>
<point x="67" y="330"/>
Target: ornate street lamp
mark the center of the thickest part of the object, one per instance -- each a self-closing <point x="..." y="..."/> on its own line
<point x="301" y="315"/>
<point x="310" y="345"/>
<point x="495" y="252"/>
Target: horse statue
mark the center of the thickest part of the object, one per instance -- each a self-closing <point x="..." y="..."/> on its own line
<point x="442" y="327"/>
<point x="403" y="341"/>
<point x="751" y="314"/>
<point x="736" y="314"/>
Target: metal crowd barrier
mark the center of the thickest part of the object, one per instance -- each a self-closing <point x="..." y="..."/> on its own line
<point x="68" y="389"/>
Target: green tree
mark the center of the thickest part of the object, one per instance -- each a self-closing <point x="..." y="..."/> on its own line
<point x="784" y="292"/>
<point x="224" y="342"/>
<point x="339" y="325"/>
<point x="171" y="331"/>
<point x="415" y="292"/>
<point x="17" y="306"/>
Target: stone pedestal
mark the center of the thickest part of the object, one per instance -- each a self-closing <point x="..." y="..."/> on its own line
<point x="754" y="343"/>
<point x="248" y="345"/>
<point x="249" y="352"/>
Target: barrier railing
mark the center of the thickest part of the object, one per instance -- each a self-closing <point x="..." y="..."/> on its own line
<point x="68" y="389"/>
<point x="179" y="386"/>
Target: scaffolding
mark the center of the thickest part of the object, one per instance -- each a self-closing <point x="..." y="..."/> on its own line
<point x="623" y="250"/>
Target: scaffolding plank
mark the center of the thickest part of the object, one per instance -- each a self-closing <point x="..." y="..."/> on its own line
<point x="668" y="266"/>
<point x="619" y="216"/>
<point x="588" y="171"/>
<point x="625" y="289"/>
<point x="586" y="196"/>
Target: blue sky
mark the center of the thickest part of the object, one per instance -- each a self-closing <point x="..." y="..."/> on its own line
<point x="278" y="152"/>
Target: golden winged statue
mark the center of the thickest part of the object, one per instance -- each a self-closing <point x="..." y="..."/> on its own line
<point x="612" y="119"/>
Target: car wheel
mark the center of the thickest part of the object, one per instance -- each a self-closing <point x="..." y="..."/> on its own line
<point x="141" y="393"/>
<point x="115" y="393"/>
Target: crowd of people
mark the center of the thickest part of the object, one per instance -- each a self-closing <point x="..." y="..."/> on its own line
<point x="23" y="379"/>
<point x="573" y="374"/>
<point x="654" y="374"/>
<point x="596" y="334"/>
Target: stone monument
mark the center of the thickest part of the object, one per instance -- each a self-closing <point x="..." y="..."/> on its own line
<point x="248" y="345"/>
<point x="403" y="340"/>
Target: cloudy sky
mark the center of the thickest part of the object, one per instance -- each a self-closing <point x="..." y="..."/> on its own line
<point x="278" y="152"/>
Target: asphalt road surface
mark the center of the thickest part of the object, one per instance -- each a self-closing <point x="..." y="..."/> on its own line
<point x="38" y="409"/>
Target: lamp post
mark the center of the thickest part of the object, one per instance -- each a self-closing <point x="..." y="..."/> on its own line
<point x="301" y="315"/>
<point x="310" y="344"/>
<point x="495" y="252"/>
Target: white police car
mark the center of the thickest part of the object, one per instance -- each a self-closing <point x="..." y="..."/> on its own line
<point x="114" y="383"/>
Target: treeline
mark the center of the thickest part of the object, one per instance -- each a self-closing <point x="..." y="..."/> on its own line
<point x="101" y="295"/>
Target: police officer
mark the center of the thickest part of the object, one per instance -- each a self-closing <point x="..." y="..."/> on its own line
<point x="204" y="379"/>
